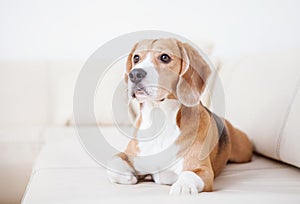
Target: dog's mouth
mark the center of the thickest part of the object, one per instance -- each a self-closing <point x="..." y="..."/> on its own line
<point x="142" y="93"/>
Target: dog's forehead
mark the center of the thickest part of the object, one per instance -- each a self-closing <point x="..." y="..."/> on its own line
<point x="160" y="45"/>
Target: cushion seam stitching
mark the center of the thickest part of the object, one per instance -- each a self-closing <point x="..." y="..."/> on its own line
<point x="285" y="119"/>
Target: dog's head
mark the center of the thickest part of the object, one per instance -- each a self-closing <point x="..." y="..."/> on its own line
<point x="166" y="68"/>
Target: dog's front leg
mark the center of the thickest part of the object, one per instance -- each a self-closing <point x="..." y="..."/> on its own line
<point x="194" y="180"/>
<point x="120" y="171"/>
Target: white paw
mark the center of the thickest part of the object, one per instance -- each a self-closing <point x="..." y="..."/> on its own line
<point x="121" y="178"/>
<point x="188" y="183"/>
<point x="165" y="177"/>
<point x="119" y="171"/>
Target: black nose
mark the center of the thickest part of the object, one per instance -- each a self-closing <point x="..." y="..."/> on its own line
<point x="136" y="75"/>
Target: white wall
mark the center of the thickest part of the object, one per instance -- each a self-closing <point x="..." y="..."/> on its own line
<point x="73" y="29"/>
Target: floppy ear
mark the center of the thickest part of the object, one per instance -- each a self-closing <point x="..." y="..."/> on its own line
<point x="193" y="75"/>
<point x="129" y="63"/>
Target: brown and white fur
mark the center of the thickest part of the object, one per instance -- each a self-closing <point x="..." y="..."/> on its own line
<point x="182" y="73"/>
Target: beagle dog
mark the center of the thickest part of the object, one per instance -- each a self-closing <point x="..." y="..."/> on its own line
<point x="171" y="75"/>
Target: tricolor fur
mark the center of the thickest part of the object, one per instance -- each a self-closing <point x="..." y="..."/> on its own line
<point x="171" y="75"/>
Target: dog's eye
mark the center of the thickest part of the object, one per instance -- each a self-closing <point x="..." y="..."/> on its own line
<point x="165" y="58"/>
<point x="136" y="58"/>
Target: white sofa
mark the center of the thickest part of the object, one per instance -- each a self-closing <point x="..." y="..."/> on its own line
<point x="65" y="173"/>
<point x="262" y="98"/>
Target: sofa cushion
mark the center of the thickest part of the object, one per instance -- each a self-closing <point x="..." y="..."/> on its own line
<point x="19" y="148"/>
<point x="23" y="92"/>
<point x="262" y="99"/>
<point x="65" y="173"/>
<point x="288" y="144"/>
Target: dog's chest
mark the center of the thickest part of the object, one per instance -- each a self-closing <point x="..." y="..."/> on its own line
<point x="158" y="129"/>
<point x="158" y="132"/>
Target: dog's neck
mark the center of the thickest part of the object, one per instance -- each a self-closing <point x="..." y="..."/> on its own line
<point x="168" y="107"/>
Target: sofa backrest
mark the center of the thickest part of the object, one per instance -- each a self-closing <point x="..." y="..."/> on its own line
<point x="263" y="99"/>
<point x="40" y="93"/>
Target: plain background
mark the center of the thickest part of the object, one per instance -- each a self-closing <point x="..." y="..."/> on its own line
<point x="73" y="29"/>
